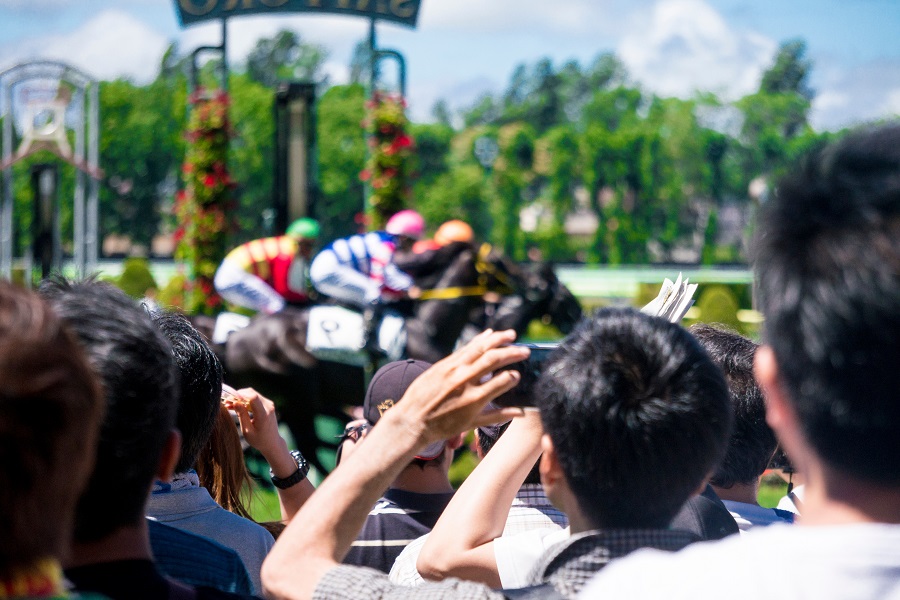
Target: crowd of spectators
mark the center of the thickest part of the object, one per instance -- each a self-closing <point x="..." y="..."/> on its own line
<point x="635" y="475"/>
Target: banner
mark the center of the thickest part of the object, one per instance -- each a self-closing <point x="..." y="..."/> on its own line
<point x="405" y="12"/>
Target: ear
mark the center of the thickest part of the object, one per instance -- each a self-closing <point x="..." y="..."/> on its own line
<point x="780" y="413"/>
<point x="455" y="442"/>
<point x="550" y="468"/>
<point x="168" y="459"/>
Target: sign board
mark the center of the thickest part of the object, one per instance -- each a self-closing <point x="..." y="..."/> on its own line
<point x="405" y="12"/>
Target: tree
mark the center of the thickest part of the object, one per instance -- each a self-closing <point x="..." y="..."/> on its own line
<point x="285" y="56"/>
<point x="790" y="71"/>
<point x="342" y="155"/>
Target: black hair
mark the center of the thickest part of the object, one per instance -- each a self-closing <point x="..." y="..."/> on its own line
<point x="137" y="371"/>
<point x="828" y="265"/>
<point x="50" y="411"/>
<point x="200" y="385"/>
<point x="752" y="441"/>
<point x="638" y="415"/>
<point x="488" y="436"/>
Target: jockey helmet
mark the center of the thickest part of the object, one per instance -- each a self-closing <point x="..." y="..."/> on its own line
<point x="454" y="231"/>
<point x="408" y="223"/>
<point x="305" y="228"/>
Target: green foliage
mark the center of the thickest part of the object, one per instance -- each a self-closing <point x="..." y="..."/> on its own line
<point x="172" y="294"/>
<point x="718" y="304"/>
<point x="342" y="155"/>
<point x="136" y="278"/>
<point x="285" y="57"/>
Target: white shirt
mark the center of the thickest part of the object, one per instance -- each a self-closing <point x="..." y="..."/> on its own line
<point x="517" y="555"/>
<point x="777" y="562"/>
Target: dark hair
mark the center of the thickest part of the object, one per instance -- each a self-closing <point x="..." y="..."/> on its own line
<point x="200" y="385"/>
<point x="50" y="410"/>
<point x="135" y="365"/>
<point x="828" y="265"/>
<point x="638" y="415"/>
<point x="488" y="436"/>
<point x="752" y="441"/>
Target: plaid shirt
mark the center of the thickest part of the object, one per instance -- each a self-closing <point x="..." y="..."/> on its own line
<point x="567" y="566"/>
<point x="532" y="510"/>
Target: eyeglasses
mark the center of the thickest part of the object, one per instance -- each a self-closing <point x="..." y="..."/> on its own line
<point x="351" y="432"/>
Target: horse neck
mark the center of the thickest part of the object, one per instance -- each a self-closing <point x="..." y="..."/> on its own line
<point x="441" y="321"/>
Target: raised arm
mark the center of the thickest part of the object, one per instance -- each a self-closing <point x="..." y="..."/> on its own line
<point x="461" y="542"/>
<point x="443" y="401"/>
<point x="261" y="432"/>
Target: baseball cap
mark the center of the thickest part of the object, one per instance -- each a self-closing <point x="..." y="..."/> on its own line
<point x="388" y="385"/>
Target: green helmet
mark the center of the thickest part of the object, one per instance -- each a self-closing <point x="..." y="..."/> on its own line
<point x="304" y="228"/>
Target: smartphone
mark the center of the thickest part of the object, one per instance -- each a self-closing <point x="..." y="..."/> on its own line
<point x="531" y="369"/>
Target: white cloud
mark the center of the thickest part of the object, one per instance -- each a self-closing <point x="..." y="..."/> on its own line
<point x="110" y="45"/>
<point x="573" y="17"/>
<point x="892" y="103"/>
<point x="845" y="97"/>
<point x="682" y="46"/>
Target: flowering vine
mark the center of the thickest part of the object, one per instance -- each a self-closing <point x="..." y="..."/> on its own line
<point x="389" y="166"/>
<point x="203" y="207"/>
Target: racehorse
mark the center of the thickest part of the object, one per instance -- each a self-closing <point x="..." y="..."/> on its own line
<point x="270" y="354"/>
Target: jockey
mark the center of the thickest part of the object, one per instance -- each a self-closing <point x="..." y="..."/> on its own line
<point x="359" y="270"/>
<point x="267" y="274"/>
<point x="449" y="232"/>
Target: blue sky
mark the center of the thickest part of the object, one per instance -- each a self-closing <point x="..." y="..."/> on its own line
<point x="465" y="47"/>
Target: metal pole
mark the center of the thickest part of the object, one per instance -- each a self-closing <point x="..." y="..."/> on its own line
<point x="6" y="210"/>
<point x="93" y="207"/>
<point x="80" y="246"/>
<point x="225" y="55"/>
<point x="373" y="82"/>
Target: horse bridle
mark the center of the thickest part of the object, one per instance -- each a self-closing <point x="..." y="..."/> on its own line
<point x="485" y="270"/>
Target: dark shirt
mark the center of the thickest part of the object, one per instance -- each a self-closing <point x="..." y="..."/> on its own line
<point x="134" y="580"/>
<point x="197" y="561"/>
<point x="395" y="521"/>
<point x="706" y="516"/>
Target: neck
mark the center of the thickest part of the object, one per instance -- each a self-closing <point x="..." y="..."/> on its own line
<point x="834" y="498"/>
<point x="125" y="543"/>
<point x="739" y="492"/>
<point x="427" y="480"/>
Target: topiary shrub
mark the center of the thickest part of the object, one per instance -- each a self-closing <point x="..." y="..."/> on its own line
<point x="136" y="278"/>
<point x="172" y="294"/>
<point x="718" y="304"/>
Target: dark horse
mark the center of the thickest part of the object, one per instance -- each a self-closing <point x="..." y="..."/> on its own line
<point x="270" y="353"/>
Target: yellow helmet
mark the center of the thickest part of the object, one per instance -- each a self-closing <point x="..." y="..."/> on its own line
<point x="454" y="231"/>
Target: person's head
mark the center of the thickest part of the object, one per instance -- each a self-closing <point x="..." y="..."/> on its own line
<point x="454" y="231"/>
<point x="50" y="412"/>
<point x="306" y="232"/>
<point x="406" y="226"/>
<point x="752" y="441"/>
<point x="521" y="395"/>
<point x="388" y="385"/>
<point x="636" y="416"/>
<point x="827" y="260"/>
<point x="200" y="385"/>
<point x="137" y="370"/>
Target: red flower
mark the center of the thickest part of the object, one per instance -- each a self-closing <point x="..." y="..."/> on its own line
<point x="403" y="141"/>
<point x="209" y="181"/>
<point x="365" y="175"/>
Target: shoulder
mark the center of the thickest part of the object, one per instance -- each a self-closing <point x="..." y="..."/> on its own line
<point x="349" y="582"/>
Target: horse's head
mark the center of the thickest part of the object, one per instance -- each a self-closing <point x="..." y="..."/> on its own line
<point x="539" y="295"/>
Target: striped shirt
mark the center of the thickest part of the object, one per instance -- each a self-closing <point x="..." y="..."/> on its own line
<point x="397" y="519"/>
<point x="371" y="254"/>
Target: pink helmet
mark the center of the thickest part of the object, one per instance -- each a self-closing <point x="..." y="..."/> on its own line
<point x="408" y="223"/>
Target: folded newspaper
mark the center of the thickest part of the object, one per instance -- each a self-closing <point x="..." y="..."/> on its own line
<point x="673" y="301"/>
